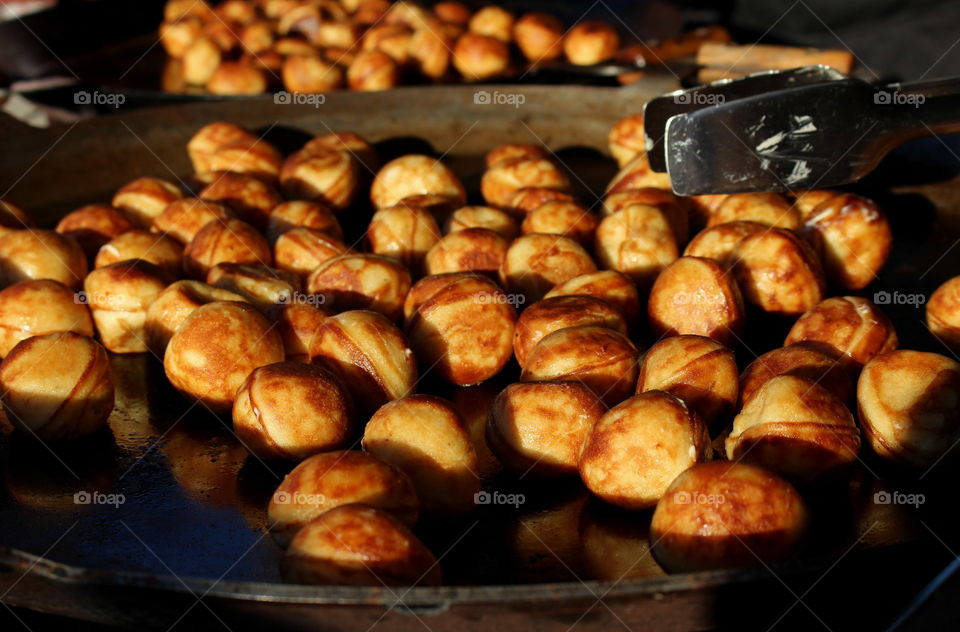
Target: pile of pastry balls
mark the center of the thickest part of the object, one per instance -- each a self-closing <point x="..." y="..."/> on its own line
<point x="618" y="327"/>
<point x="251" y="46"/>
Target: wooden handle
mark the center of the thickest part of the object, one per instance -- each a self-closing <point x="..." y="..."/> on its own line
<point x="736" y="60"/>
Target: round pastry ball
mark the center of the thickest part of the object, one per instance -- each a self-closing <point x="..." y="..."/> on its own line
<point x="415" y="174"/>
<point x="539" y="36"/>
<point x="795" y="428"/>
<point x="310" y="74"/>
<point x="291" y="410"/>
<point x="327" y="176"/>
<point x="357" y="545"/>
<point x="431" y="51"/>
<point x="454" y="12"/>
<point x="637" y="174"/>
<point x="534" y="264"/>
<point x="854" y="237"/>
<point x="425" y="437"/>
<point x="347" y="142"/>
<point x="907" y="402"/>
<point x="230" y="241"/>
<point x="215" y="349"/>
<point x="464" y="331"/>
<point x="538" y="428"/>
<point x="145" y="198"/>
<point x="568" y="219"/>
<point x="727" y="515"/>
<point x="57" y="386"/>
<point x="943" y="313"/>
<point x="41" y="254"/>
<point x="262" y="286"/>
<point x="637" y="241"/>
<point x="696" y="296"/>
<point x="501" y="181"/>
<point x="601" y="358"/>
<point x="256" y="158"/>
<point x="778" y="272"/>
<point x="303" y="250"/>
<point x="183" y="218"/>
<point x="172" y="306"/>
<point x="806" y="201"/>
<point x="507" y="151"/>
<point x="591" y="42"/>
<point x="492" y="21"/>
<point x="372" y="70"/>
<point x="249" y="198"/>
<point x="698" y="370"/>
<point x="176" y="37"/>
<point x="551" y="314"/>
<point x="164" y="252"/>
<point x="200" y="59"/>
<point x="799" y="360"/>
<point x="639" y="447"/>
<point x="608" y="285"/>
<point x="526" y="199"/>
<point x="487" y="217"/>
<point x="405" y="233"/>
<point x="361" y="281"/>
<point x="480" y="57"/>
<point x="332" y="479"/>
<point x="302" y="214"/>
<point x="427" y="287"/>
<point x="37" y="308"/>
<point x="297" y="323"/>
<point x="849" y="326"/>
<point x="467" y="250"/>
<point x="392" y="39"/>
<point x="369" y="355"/>
<point x="119" y="295"/>
<point x="204" y="143"/>
<point x="626" y="139"/>
<point x="94" y="225"/>
<point x="674" y="210"/>
<point x="769" y="209"/>
<point x="718" y="242"/>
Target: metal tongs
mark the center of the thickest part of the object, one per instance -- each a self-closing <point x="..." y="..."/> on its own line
<point x="805" y="128"/>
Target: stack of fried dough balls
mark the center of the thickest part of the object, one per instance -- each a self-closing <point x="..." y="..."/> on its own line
<point x="572" y="342"/>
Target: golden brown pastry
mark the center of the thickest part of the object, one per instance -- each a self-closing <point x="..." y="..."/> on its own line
<point x="453" y="12"/>
<point x="145" y="198"/>
<point x="637" y="241"/>
<point x="639" y="447"/>
<point x="403" y="232"/>
<point x="551" y="314"/>
<point x="362" y="281"/>
<point x="341" y="477"/>
<point x="603" y="359"/>
<point x="567" y="219"/>
<point x="310" y="74"/>
<point x="673" y="208"/>
<point x="526" y="199"/>
<point x="40" y="254"/>
<point x="480" y="57"/>
<point x="430" y="51"/>
<point x="849" y="326"/>
<point x="291" y="410"/>
<point x="249" y="198"/>
<point x="799" y="360"/>
<point x="372" y="70"/>
<point x="535" y="263"/>
<point x="806" y="201"/>
<point x="357" y="545"/>
<point x="608" y="285"/>
<point x="426" y="438"/>
<point x="539" y="36"/>
<point x="590" y="42"/>
<point x="474" y="404"/>
<point x="255" y="158"/>
<point x="177" y="36"/>
<point x="298" y="322"/>
<point x="37" y="308"/>
<point x="468" y="250"/>
<point x="507" y="151"/>
<point x="415" y="174"/>
<point x="57" y="386"/>
<point x="769" y="209"/>
<point x="698" y="370"/>
<point x="119" y="295"/>
<point x="908" y="406"/>
<point x="460" y="354"/>
<point x="718" y="242"/>
<point x="200" y="59"/>
<point x="727" y="515"/>
<point x="392" y="39"/>
<point x="303" y="250"/>
<point x="230" y="241"/>
<point x="492" y="21"/>
<point x="487" y="217"/>
<point x="795" y="428"/>
<point x="637" y="174"/>
<point x="778" y="272"/>
<point x="262" y="286"/>
<point x="215" y="349"/>
<point x="501" y="181"/>
<point x="172" y="306"/>
<point x="327" y="176"/>
<point x="354" y="144"/>
<point x="943" y="313"/>
<point x="626" y="139"/>
<point x="426" y="287"/>
<point x="205" y="142"/>
<point x="164" y="252"/>
<point x="257" y="38"/>
<point x="697" y="296"/>
<point x="854" y="237"/>
<point x="369" y="355"/>
<point x="302" y="214"/>
<point x="538" y="428"/>
<point x="94" y="225"/>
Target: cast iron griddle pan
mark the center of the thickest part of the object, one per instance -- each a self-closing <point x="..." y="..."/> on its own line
<point x="188" y="545"/>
